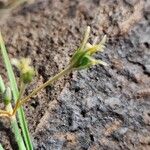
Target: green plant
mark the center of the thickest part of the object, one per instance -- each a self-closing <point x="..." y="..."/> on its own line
<point x="15" y="92"/>
<point x="1" y="148"/>
<point x="81" y="59"/>
<point x="12" y="4"/>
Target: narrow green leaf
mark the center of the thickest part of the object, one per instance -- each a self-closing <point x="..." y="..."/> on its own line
<point x="2" y="86"/>
<point x="11" y="76"/>
<point x="14" y="124"/>
<point x="1" y="148"/>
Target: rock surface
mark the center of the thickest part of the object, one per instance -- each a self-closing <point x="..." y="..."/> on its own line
<point x="102" y="108"/>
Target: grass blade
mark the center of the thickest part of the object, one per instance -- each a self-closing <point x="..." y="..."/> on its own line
<point x="1" y="148"/>
<point x="14" y="124"/>
<point x="21" y="115"/>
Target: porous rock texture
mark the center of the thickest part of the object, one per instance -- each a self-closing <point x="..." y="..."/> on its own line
<point x="101" y="108"/>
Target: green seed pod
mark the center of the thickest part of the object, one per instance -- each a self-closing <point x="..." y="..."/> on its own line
<point x="7" y="96"/>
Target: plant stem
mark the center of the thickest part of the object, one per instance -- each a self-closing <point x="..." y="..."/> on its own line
<point x="34" y="92"/>
<point x="4" y="113"/>
<point x="14" y="127"/>
<point x="22" y="89"/>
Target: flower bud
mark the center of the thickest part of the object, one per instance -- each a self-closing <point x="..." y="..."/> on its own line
<point x="27" y="75"/>
<point x="26" y="71"/>
<point x="7" y="96"/>
<point x="83" y="56"/>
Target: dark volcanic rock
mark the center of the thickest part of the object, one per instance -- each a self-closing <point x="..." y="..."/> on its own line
<point x="102" y="108"/>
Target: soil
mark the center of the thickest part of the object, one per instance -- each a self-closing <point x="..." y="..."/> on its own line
<point x="101" y="108"/>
